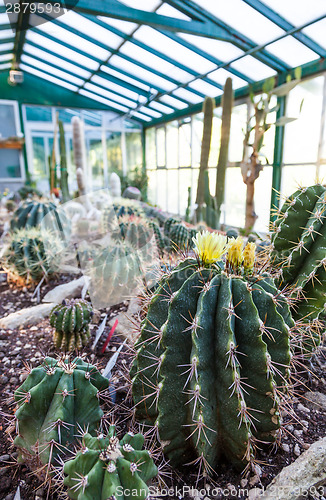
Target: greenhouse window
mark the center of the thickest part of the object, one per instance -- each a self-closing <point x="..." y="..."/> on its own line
<point x="124" y="26"/>
<point x="205" y="88"/>
<point x="220" y="75"/>
<point x="117" y="74"/>
<point x="297" y="12"/>
<point x="317" y="32"/>
<point x="115" y="87"/>
<point x="102" y="100"/>
<point x="253" y="68"/>
<point x="50" y="69"/>
<point x="109" y="95"/>
<point x="224" y="51"/>
<point x="291" y="51"/>
<point x="50" y="78"/>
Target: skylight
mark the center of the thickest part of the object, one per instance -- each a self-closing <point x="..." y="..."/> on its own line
<point x="98" y="98"/>
<point x="50" y="78"/>
<point x="205" y="88"/>
<point x="291" y="51"/>
<point x="109" y="95"/>
<point x="224" y="51"/>
<point x="50" y="69"/>
<point x="125" y="78"/>
<point x="167" y="99"/>
<point x="220" y="75"/>
<point x="124" y="26"/>
<point x="297" y="12"/>
<point x="317" y="32"/>
<point x="114" y="86"/>
<point x="160" y="107"/>
<point x="187" y="95"/>
<point x="253" y="68"/>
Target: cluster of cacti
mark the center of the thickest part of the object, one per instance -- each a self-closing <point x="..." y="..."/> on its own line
<point x="33" y="213"/>
<point x="299" y="249"/>
<point x="71" y="321"/>
<point x="106" y="468"/>
<point x="31" y="254"/>
<point x="58" y="400"/>
<point x="134" y="230"/>
<point x="213" y="356"/>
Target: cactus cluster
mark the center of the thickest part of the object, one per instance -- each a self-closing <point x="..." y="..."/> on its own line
<point x="31" y="254"/>
<point x="57" y="401"/>
<point x="106" y="468"/>
<point x="31" y="213"/>
<point x="213" y="356"/>
<point x="71" y="321"/>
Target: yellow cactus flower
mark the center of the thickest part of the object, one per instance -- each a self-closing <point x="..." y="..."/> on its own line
<point x="235" y="252"/>
<point x="249" y="256"/>
<point x="210" y="247"/>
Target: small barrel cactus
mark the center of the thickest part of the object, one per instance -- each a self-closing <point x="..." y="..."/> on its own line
<point x="299" y="249"/>
<point x="134" y="230"/>
<point x="31" y="254"/>
<point x="181" y="237"/>
<point x="159" y="238"/>
<point x="31" y="213"/>
<point x="168" y="223"/>
<point x="58" y="400"/>
<point x="71" y="321"/>
<point x="213" y="356"/>
<point x="107" y="468"/>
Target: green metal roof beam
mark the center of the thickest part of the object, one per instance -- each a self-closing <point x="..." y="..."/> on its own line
<point x="286" y="26"/>
<point x="117" y="10"/>
<point x="21" y="27"/>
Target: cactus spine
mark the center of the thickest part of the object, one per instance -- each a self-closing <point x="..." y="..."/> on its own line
<point x="71" y="322"/>
<point x="63" y="164"/>
<point x="105" y="465"/>
<point x="213" y="357"/>
<point x="208" y="108"/>
<point x="227" y="104"/>
<point x="57" y="400"/>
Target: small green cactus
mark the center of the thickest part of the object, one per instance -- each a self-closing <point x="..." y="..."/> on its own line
<point x="180" y="237"/>
<point x="71" y="321"/>
<point x="168" y="225"/>
<point x="31" y="213"/>
<point x="57" y="401"/>
<point x="134" y="230"/>
<point x="213" y="357"/>
<point x="30" y="255"/>
<point x="106" y="468"/>
<point x="159" y="238"/>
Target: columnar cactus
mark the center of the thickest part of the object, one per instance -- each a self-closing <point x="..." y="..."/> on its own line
<point x="58" y="400"/>
<point x="31" y="254"/>
<point x="31" y="213"/>
<point x="299" y="249"/>
<point x="213" y="356"/>
<point x="71" y="321"/>
<point x="105" y="467"/>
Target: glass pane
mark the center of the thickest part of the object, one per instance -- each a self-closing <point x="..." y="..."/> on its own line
<point x="205" y="88"/>
<point x="160" y="144"/>
<point x="223" y="51"/>
<point x="185" y="176"/>
<point x="167" y="10"/>
<point x="185" y="145"/>
<point x="173" y="191"/>
<point x="197" y="134"/>
<point x="35" y="114"/>
<point x="162" y="189"/>
<point x="161" y="107"/>
<point x="253" y="68"/>
<point x="235" y="198"/>
<point x="114" y="86"/>
<point x="216" y="138"/>
<point x="152" y="186"/>
<point x="52" y="70"/>
<point x="238" y="126"/>
<point x="150" y="112"/>
<point x="294" y="176"/>
<point x="316" y="32"/>
<point x="297" y="11"/>
<point x="150" y="149"/>
<point x="263" y="190"/>
<point x="172" y="145"/>
<point x="40" y="165"/>
<point x="173" y="102"/>
<point x="302" y="135"/>
<point x="110" y="95"/>
<point x="222" y="74"/>
<point x="51" y="79"/>
<point x="5" y="65"/>
<point x="114" y="152"/>
<point x="141" y="116"/>
<point x="5" y="57"/>
<point x="121" y="76"/>
<point x="95" y="159"/>
<point x="292" y="52"/>
<point x="105" y="101"/>
<point x="133" y="150"/>
<point x="188" y="96"/>
<point x="9" y="158"/>
<point x="124" y="26"/>
<point x="322" y="173"/>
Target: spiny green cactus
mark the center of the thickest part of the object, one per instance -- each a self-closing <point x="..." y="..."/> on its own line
<point x="107" y="468"/>
<point x="63" y="164"/>
<point x="134" y="230"/>
<point x="208" y="110"/>
<point x="71" y="322"/>
<point x="159" y="238"/>
<point x="168" y="225"/>
<point x="180" y="237"/>
<point x="299" y="249"/>
<point x="31" y="254"/>
<point x="57" y="401"/>
<point x="31" y="213"/>
<point x="213" y="357"/>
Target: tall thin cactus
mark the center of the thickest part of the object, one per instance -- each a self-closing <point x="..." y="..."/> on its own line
<point x="208" y="109"/>
<point x="63" y="164"/>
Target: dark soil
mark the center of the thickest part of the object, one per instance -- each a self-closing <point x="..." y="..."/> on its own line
<point x="30" y="344"/>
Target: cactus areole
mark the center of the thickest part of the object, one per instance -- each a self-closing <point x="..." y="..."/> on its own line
<point x="213" y="357"/>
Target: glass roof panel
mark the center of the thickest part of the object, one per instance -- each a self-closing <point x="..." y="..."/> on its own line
<point x="160" y="107"/>
<point x="7" y="34"/>
<point x="74" y="40"/>
<point x="150" y="112"/>
<point x="167" y="99"/>
<point x="224" y="51"/>
<point x="173" y="49"/>
<point x="109" y="95"/>
<point x="50" y="69"/>
<point x="317" y="32"/>
<point x="243" y="18"/>
<point x="98" y="98"/>
<point x="188" y="96"/>
<point x="155" y="62"/>
<point x="59" y="49"/>
<point x="205" y="88"/>
<point x="253" y="68"/>
<point x="114" y="86"/>
<point x="167" y="10"/>
<point x="220" y="75"/>
<point x="4" y="19"/>
<point x="5" y="57"/>
<point x="127" y="79"/>
<point x="34" y="51"/>
<point x="297" y="12"/>
<point x="141" y="116"/>
<point x="291" y="51"/>
<point x="6" y="46"/>
<point x="50" y="78"/>
<point x="144" y="74"/>
<point x="148" y="5"/>
<point x="5" y="66"/>
<point x="124" y="26"/>
<point x="91" y="29"/>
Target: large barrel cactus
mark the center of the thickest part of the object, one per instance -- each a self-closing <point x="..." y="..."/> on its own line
<point x="299" y="249"/>
<point x="31" y="213"/>
<point x="213" y="356"/>
<point x="71" y="322"/>
<point x="58" y="400"/>
<point x="107" y="468"/>
<point x="30" y="255"/>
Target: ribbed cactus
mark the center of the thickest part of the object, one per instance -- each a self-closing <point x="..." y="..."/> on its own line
<point x="168" y="223"/>
<point x="31" y="254"/>
<point x="57" y="401"/>
<point x="159" y="237"/>
<point x="213" y="357"/>
<point x="299" y="249"/>
<point x="106" y="468"/>
<point x="31" y="213"/>
<point x="134" y="230"/>
<point x="120" y="208"/>
<point x="71" y="321"/>
<point x="63" y="164"/>
<point x="180" y="237"/>
<point x="208" y="109"/>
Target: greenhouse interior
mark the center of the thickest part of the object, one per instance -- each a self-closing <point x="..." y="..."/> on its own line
<point x="162" y="249"/>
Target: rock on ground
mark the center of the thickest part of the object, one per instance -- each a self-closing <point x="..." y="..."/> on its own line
<point x="304" y="475"/>
<point x="126" y="327"/>
<point x="315" y="400"/>
<point x="26" y="317"/>
<point x="66" y="291"/>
